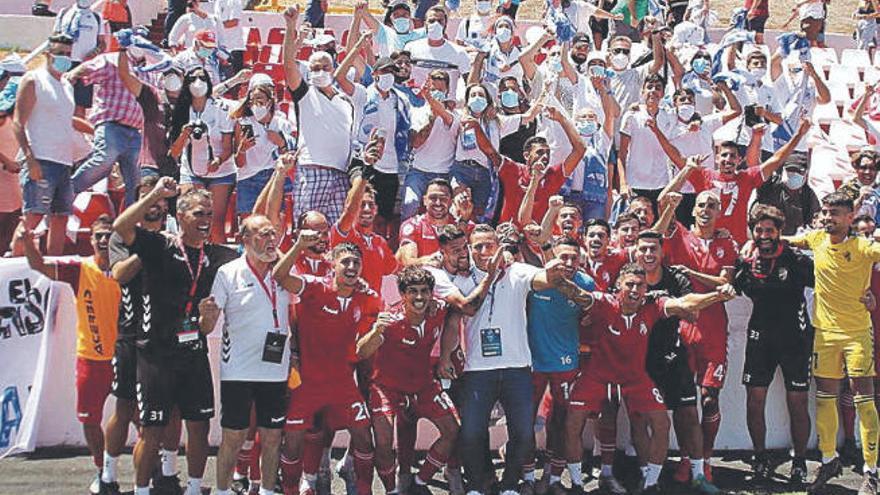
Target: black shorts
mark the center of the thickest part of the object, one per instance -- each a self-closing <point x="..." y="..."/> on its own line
<point x="386" y="186"/>
<point x="125" y="370"/>
<point x="676" y="383"/>
<point x="791" y="351"/>
<point x="756" y="24"/>
<point x="182" y="380"/>
<point x="268" y="398"/>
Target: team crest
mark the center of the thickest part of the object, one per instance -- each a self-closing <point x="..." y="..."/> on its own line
<point x="357" y="313"/>
<point x="719" y="253"/>
<point x="643" y="329"/>
<point x="783" y="273"/>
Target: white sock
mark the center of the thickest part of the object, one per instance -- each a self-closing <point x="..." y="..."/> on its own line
<point x="419" y="481"/>
<point x="223" y="492"/>
<point x="237" y="476"/>
<point x="574" y="470"/>
<point x="644" y="471"/>
<point x="142" y="490"/>
<point x="267" y="491"/>
<point x="527" y="476"/>
<point x="697" y="468"/>
<point x="109" y="474"/>
<point x="607" y="470"/>
<point x="871" y="470"/>
<point x="311" y="480"/>
<point x="194" y="486"/>
<point x="630" y="450"/>
<point x="555" y="479"/>
<point x="826" y="460"/>
<point x="652" y="474"/>
<point x="169" y="462"/>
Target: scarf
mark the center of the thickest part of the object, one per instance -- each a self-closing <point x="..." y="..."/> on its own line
<point x="157" y="59"/>
<point x="797" y="106"/>
<point x="402" y="122"/>
<point x="733" y="37"/>
<point x="762" y="266"/>
<point x="594" y="183"/>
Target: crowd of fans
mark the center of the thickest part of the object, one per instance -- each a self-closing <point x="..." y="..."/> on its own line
<point x="416" y="222"/>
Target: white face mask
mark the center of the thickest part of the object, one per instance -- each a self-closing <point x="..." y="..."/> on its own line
<point x="198" y="88"/>
<point x="793" y="180"/>
<point x="685" y="112"/>
<point x="320" y="78"/>
<point x="385" y="82"/>
<point x="435" y="31"/>
<point x="483" y="7"/>
<point x="84" y="4"/>
<point x="758" y="73"/>
<point x="620" y="61"/>
<point x="502" y="34"/>
<point x="173" y="83"/>
<point x="259" y="111"/>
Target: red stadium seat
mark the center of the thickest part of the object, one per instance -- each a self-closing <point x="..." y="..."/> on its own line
<point x="251" y="54"/>
<point x="304" y="53"/>
<point x="253" y="37"/>
<point x="276" y="36"/>
<point x="344" y="39"/>
<point x="98" y="204"/>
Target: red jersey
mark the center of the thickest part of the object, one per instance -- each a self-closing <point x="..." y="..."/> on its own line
<point x="734" y="193"/>
<point x="515" y="178"/>
<point x="620" y="342"/>
<point x="705" y="256"/>
<point x="378" y="258"/>
<point x="328" y="332"/>
<point x="403" y="362"/>
<point x="604" y="272"/>
<point x="316" y="267"/>
<point x="420" y="231"/>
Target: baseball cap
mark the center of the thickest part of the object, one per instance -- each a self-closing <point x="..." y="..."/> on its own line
<point x="260" y="79"/>
<point x="796" y="162"/>
<point x="383" y="63"/>
<point x="206" y="38"/>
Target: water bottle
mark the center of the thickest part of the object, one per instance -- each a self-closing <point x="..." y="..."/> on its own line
<point x="469" y="139"/>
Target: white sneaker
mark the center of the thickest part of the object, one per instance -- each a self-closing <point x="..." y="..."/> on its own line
<point x="455" y="481"/>
<point x="509" y="492"/>
<point x="95" y="486"/>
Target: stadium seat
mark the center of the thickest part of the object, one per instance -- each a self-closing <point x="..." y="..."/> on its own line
<point x="826" y="113"/>
<point x="305" y="52"/>
<point x="253" y="37"/>
<point x="344" y="39"/>
<point x="840" y="90"/>
<point x="847" y="134"/>
<point x="855" y="58"/>
<point x="276" y="36"/>
<point x="251" y="54"/>
<point x="823" y="58"/>
<point x="90" y="205"/>
<point x="844" y="74"/>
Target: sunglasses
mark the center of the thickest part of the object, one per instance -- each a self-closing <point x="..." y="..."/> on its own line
<point x="618" y="51"/>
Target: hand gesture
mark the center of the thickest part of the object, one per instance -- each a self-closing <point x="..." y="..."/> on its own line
<point x="760" y="129"/>
<point x="695" y="161"/>
<point x="553" y="113"/>
<point x="246" y="143"/>
<point x="307" y="238"/>
<point x="364" y="40"/>
<point x="214" y="165"/>
<point x="804" y="125"/>
<point x="869" y="300"/>
<point x="727" y="292"/>
<point x="425" y="92"/>
<point x="651" y="124"/>
<point x="35" y="171"/>
<point x="469" y="123"/>
<point x="165" y="188"/>
<point x="464" y="206"/>
<point x="360" y="6"/>
<point x="244" y="75"/>
<point x="383" y="321"/>
<point x="291" y="14"/>
<point x="287" y="162"/>
<point x="208" y="308"/>
<point x="722" y="233"/>
<point x="555" y="202"/>
<point x="672" y="199"/>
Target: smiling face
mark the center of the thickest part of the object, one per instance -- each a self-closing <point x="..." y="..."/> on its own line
<point x="367" y="212"/>
<point x="649" y="254"/>
<point x="483" y="248"/>
<point x="836" y="220"/>
<point x="457" y="255"/>
<point x="437" y="201"/>
<point x="706" y="210"/>
<point x="101" y="239"/>
<point x="628" y="233"/>
<point x="652" y="91"/>
<point x="569" y="220"/>
<point x="866" y="170"/>
<point x="317" y="222"/>
<point x="261" y="239"/>
<point x="644" y="211"/>
<point x="766" y="235"/>
<point x="195" y="221"/>
<point x="727" y="159"/>
<point x="538" y="153"/>
<point x="570" y="257"/>
<point x="597" y="241"/>
<point x="632" y="288"/>
<point x="347" y="266"/>
<point x="416" y="298"/>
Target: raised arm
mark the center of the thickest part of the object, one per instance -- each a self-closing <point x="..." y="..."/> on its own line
<point x="778" y="158"/>
<point x="476" y="72"/>
<point x="725" y="277"/>
<point x="358" y="186"/>
<point x="659" y="52"/>
<point x="527" y="58"/>
<point x="291" y="48"/>
<point x="668" y="204"/>
<point x="822" y="94"/>
<point x="341" y="73"/>
<point x="124" y="271"/>
<point x="859" y="114"/>
<point x="524" y="214"/>
<point x="123" y="67"/>
<point x="691" y="164"/>
<point x="34" y="256"/>
<point x="734" y="108"/>
<point x="753" y="150"/>
<point x="282" y="270"/>
<point x="690" y="304"/>
<point x="549" y="220"/>
<point x="127" y="221"/>
<point x="577" y="144"/>
<point x="775" y="65"/>
<point x="671" y="151"/>
<point x="269" y="201"/>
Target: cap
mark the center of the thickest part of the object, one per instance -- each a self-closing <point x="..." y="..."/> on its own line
<point x="383" y="63"/>
<point x="260" y="79"/>
<point x="580" y="38"/>
<point x="595" y="55"/>
<point x="206" y="38"/>
<point x="393" y="4"/>
<point x="796" y="162"/>
<point x="321" y="40"/>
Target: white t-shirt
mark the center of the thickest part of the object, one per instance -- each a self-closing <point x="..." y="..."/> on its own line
<point x="247" y="318"/>
<point x="383" y="116"/>
<point x="184" y="30"/>
<point x="496" y="336"/>
<point x="84" y="26"/>
<point x="262" y="156"/>
<point x="751" y="94"/>
<point x="579" y="13"/>
<point x="437" y="153"/>
<point x="473" y="30"/>
<point x="228" y="10"/>
<point x="499" y="64"/>
<point x="198" y="153"/>
<point x="700" y="142"/>
<point x="646" y="166"/>
<point x="327" y="127"/>
<point x="448" y="57"/>
<point x="506" y="124"/>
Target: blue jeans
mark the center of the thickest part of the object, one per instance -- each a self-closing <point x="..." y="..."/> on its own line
<point x="248" y="190"/>
<point x="414" y="186"/>
<point x="478" y="179"/>
<point x="114" y="143"/>
<point x="481" y="389"/>
<point x="52" y="195"/>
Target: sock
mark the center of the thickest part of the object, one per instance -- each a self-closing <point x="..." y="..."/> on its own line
<point x="109" y="474"/>
<point x="311" y="480"/>
<point x="243" y="461"/>
<point x="710" y="425"/>
<point x="557" y="466"/>
<point x="872" y="470"/>
<point x="388" y="475"/>
<point x="847" y="413"/>
<point x="363" y="469"/>
<point x="142" y="490"/>
<point x="574" y="470"/>
<point x="607" y="470"/>
<point x="291" y="470"/>
<point x="169" y="462"/>
<point x="630" y="450"/>
<point x="696" y="468"/>
<point x="826" y="424"/>
<point x="406" y="444"/>
<point x="255" y="474"/>
<point x="652" y="474"/>
<point x="194" y="486"/>
<point x="434" y="462"/>
<point x="869" y="427"/>
<point x="313" y="449"/>
<point x="267" y="491"/>
<point x="529" y="472"/>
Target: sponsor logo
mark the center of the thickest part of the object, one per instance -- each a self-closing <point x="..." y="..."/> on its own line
<point x="330" y="310"/>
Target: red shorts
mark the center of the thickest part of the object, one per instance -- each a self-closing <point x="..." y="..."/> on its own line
<point x="590" y="394"/>
<point x="94" y="379"/>
<point x="560" y="383"/>
<point x="709" y="361"/>
<point x="339" y="408"/>
<point x="431" y="402"/>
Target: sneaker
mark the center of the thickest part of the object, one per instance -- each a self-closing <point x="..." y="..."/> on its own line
<point x="797" y="477"/>
<point x="702" y="485"/>
<point x="761" y="467"/>
<point x="241" y="485"/>
<point x="95" y="485"/>
<point x="346" y="473"/>
<point x="850" y="455"/>
<point x="455" y="481"/>
<point x="527" y="488"/>
<point x="869" y="484"/>
<point x="610" y="484"/>
<point x="324" y="480"/>
<point x="683" y="471"/>
<point x="109" y="488"/>
<point x="826" y="472"/>
<point x="42" y="10"/>
<point x="417" y="489"/>
<point x="167" y="485"/>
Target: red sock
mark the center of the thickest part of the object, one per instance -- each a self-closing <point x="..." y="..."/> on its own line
<point x="243" y="462"/>
<point x="256" y="474"/>
<point x="710" y="425"/>
<point x="433" y="462"/>
<point x="406" y="444"/>
<point x="313" y="449"/>
<point x="606" y="435"/>
<point x="291" y="472"/>
<point x="363" y="469"/>
<point x="848" y="414"/>
<point x="388" y="475"/>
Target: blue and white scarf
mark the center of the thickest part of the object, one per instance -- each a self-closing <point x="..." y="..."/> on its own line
<point x="402" y="126"/>
<point x="158" y="60"/>
<point x="733" y="37"/>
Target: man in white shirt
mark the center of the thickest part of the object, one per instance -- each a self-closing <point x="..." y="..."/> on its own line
<point x="228" y="14"/>
<point x="473" y="31"/>
<point x="255" y="355"/>
<point x="436" y="52"/>
<point x="183" y="33"/>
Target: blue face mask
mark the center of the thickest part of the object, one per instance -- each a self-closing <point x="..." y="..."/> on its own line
<point x="556" y="64"/>
<point x="61" y="63"/>
<point x="402" y="25"/>
<point x="587" y="127"/>
<point x="205" y="52"/>
<point x="438" y="95"/>
<point x="477" y="104"/>
<point x="699" y="65"/>
<point x="510" y="98"/>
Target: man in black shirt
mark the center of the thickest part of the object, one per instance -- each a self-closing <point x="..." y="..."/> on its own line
<point x="773" y="276"/>
<point x="172" y="360"/>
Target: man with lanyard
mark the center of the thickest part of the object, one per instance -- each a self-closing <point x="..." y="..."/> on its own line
<point x="97" y="308"/>
<point x="254" y="357"/>
<point x="173" y="368"/>
<point x="774" y="276"/>
<point x="419" y="242"/>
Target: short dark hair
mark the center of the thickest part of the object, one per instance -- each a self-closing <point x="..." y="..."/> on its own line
<point x="626" y="217"/>
<point x="104" y="220"/>
<point x="652" y="235"/>
<point x="597" y="222"/>
<point x="532" y="141"/>
<point x="864" y="218"/>
<point x="346" y="247"/>
<point x="414" y="275"/>
<point x="565" y="240"/>
<point x="439" y="75"/>
<point x="654" y="78"/>
<point x="641" y="199"/>
<point x="61" y="38"/>
<point x="449" y="233"/>
<point x="572" y="204"/>
<point x="763" y="212"/>
<point x="189" y="199"/>
<point x="729" y="144"/>
<point x="147" y="184"/>
<point x="439" y="181"/>
<point x="838" y="198"/>
<point x="682" y="91"/>
<point x="631" y="269"/>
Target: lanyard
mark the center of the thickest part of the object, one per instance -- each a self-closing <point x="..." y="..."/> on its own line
<point x="492" y="295"/>
<point x="272" y="295"/>
<point x="194" y="276"/>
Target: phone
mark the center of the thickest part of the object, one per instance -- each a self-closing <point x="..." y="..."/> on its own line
<point x="247" y="130"/>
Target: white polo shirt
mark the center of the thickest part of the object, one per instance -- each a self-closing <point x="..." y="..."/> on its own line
<point x="326" y="127"/>
<point x="437" y="153"/>
<point x="646" y="166"/>
<point x="84" y="26"/>
<point x="690" y="143"/>
<point x="247" y="318"/>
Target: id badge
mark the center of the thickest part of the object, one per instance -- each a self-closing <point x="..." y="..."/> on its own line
<point x="273" y="348"/>
<point x="490" y="342"/>
<point x="189" y="332"/>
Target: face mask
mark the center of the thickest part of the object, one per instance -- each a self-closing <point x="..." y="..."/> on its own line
<point x="319" y="78"/>
<point x="477" y="104"/>
<point x="793" y="180"/>
<point x="83" y="4"/>
<point x="510" y="98"/>
<point x="204" y="52"/>
<point x="619" y="61"/>
<point x="385" y="81"/>
<point x="438" y="95"/>
<point x="555" y="64"/>
<point x="597" y="71"/>
<point x="685" y="112"/>
<point x="198" y="88"/>
<point x="483" y="8"/>
<point x="502" y="34"/>
<point x="402" y="25"/>
<point x="435" y="31"/>
<point x="259" y="111"/>
<point x="173" y="83"/>
<point x="758" y="73"/>
<point x="587" y="127"/>
<point x="699" y="65"/>
<point x="61" y="63"/>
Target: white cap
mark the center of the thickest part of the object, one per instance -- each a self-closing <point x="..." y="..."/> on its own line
<point x="13" y="64"/>
<point x="260" y="79"/>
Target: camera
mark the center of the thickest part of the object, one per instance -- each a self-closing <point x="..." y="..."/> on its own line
<point x="751" y="116"/>
<point x="199" y="129"/>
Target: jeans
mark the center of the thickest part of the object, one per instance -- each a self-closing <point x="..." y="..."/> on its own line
<point x="113" y="143"/>
<point x="481" y="389"/>
<point x="477" y="178"/>
<point x="52" y="195"/>
<point x="414" y="186"/>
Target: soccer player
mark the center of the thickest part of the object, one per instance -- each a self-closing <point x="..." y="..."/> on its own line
<point x="626" y="230"/>
<point x="403" y="382"/>
<point x="418" y="234"/>
<point x="620" y="325"/>
<point x="843" y="333"/>
<point x="339" y="312"/>
<point x="602" y="261"/>
<point x="97" y="307"/>
<point x="773" y="276"/>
